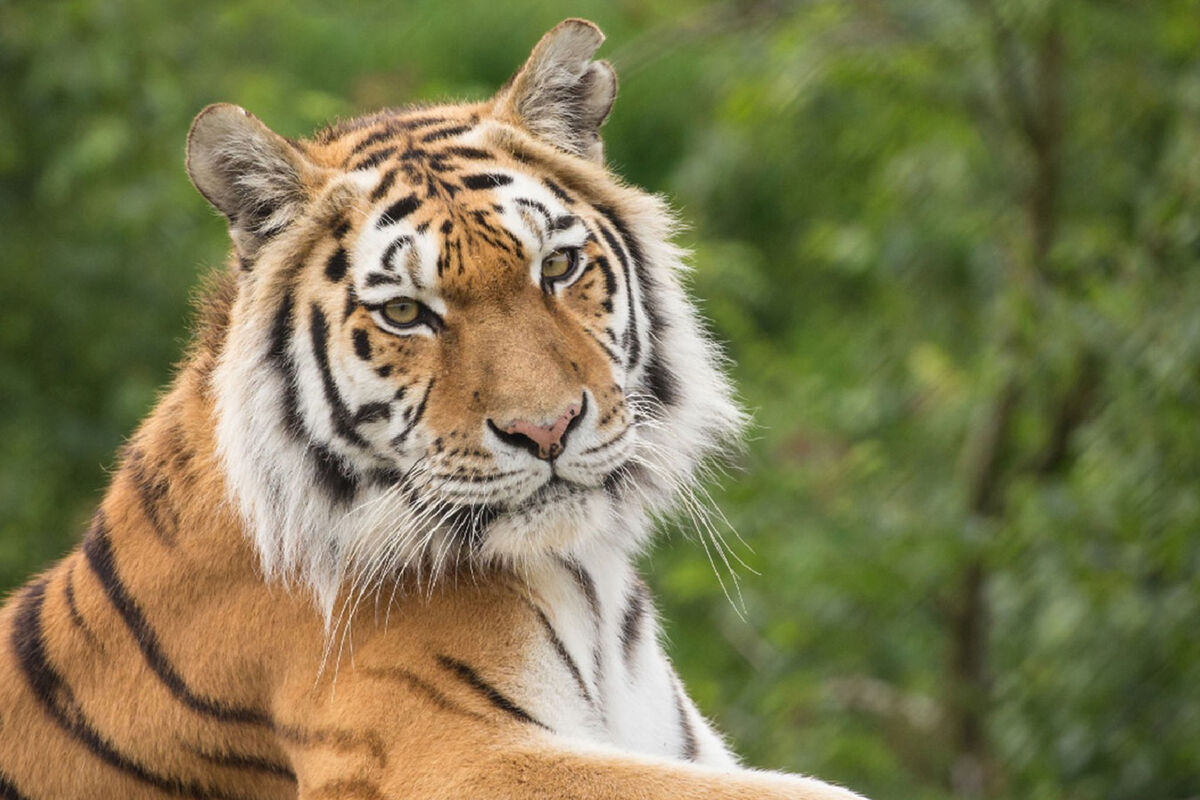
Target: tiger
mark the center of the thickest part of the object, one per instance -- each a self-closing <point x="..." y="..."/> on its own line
<point x="377" y="539"/>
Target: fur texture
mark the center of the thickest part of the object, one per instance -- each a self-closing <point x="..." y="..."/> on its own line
<point x="334" y="561"/>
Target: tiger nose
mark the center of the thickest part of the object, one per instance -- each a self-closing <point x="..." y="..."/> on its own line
<point x="544" y="441"/>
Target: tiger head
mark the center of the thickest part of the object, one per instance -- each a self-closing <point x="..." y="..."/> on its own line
<point x="456" y="335"/>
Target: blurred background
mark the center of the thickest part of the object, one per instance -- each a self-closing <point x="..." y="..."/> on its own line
<point x="952" y="246"/>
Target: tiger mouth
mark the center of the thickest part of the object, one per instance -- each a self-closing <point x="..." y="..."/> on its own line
<point x="471" y="520"/>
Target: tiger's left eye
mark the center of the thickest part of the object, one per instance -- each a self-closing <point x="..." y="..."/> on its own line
<point x="559" y="266"/>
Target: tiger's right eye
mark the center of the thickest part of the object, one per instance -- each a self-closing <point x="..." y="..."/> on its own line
<point x="402" y="312"/>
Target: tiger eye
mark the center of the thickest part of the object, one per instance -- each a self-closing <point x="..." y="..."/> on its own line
<point x="404" y="311"/>
<point x="557" y="264"/>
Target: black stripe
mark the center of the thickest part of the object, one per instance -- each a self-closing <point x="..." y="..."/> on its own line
<point x="660" y="381"/>
<point x="248" y="763"/>
<point x="280" y="356"/>
<point x="558" y="191"/>
<point x="424" y="687"/>
<point x="372" y="412"/>
<point x="464" y="672"/>
<point x="97" y="547"/>
<point x="339" y="412"/>
<point x="152" y="492"/>
<point x="362" y="344"/>
<point x="334" y="476"/>
<point x="8" y="789"/>
<point x="385" y="183"/>
<point x="472" y="153"/>
<point x="608" y="351"/>
<point x="73" y="609"/>
<point x="380" y="279"/>
<point x="411" y="123"/>
<point x="390" y="253"/>
<point x="414" y="417"/>
<point x="536" y="206"/>
<point x="587" y="587"/>
<point x="485" y="180"/>
<point x="336" y="266"/>
<point x="690" y="746"/>
<point x="58" y="701"/>
<point x="373" y="159"/>
<point x="631" y="621"/>
<point x="562" y="222"/>
<point x="563" y="654"/>
<point x="445" y="133"/>
<point x="399" y="210"/>
<point x="375" y="138"/>
<point x="610" y="281"/>
<point x="632" y="343"/>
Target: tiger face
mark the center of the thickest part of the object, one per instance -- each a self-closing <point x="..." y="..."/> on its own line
<point x="456" y="337"/>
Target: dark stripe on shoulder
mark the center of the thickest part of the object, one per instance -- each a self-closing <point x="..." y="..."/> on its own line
<point x="347" y="789"/>
<point x="73" y="608"/>
<point x="248" y="763"/>
<point x="337" y="739"/>
<point x="8" y="789"/>
<point x="465" y="673"/>
<point x="422" y="686"/>
<point x="58" y="701"/>
<point x="152" y="488"/>
<point x="97" y="548"/>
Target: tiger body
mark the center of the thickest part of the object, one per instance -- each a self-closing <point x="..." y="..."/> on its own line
<point x="378" y="538"/>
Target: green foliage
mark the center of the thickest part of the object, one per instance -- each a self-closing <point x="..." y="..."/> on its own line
<point x="952" y="247"/>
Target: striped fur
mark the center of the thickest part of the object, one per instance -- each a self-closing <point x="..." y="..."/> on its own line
<point x="329" y="565"/>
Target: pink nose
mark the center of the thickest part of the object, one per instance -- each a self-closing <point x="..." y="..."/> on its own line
<point x="545" y="441"/>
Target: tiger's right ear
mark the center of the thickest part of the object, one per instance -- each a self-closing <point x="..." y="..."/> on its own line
<point x="251" y="174"/>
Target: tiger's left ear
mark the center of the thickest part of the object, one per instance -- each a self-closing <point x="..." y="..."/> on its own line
<point x="560" y="95"/>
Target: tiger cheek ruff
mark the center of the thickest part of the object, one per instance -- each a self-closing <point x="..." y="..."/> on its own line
<point x="376" y="540"/>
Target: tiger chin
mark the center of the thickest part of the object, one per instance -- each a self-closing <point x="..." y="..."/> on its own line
<point x="376" y="540"/>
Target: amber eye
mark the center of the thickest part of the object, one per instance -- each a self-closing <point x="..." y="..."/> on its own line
<point x="559" y="265"/>
<point x="402" y="312"/>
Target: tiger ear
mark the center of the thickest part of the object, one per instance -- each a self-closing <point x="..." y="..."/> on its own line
<point x="251" y="174"/>
<point x="560" y="95"/>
